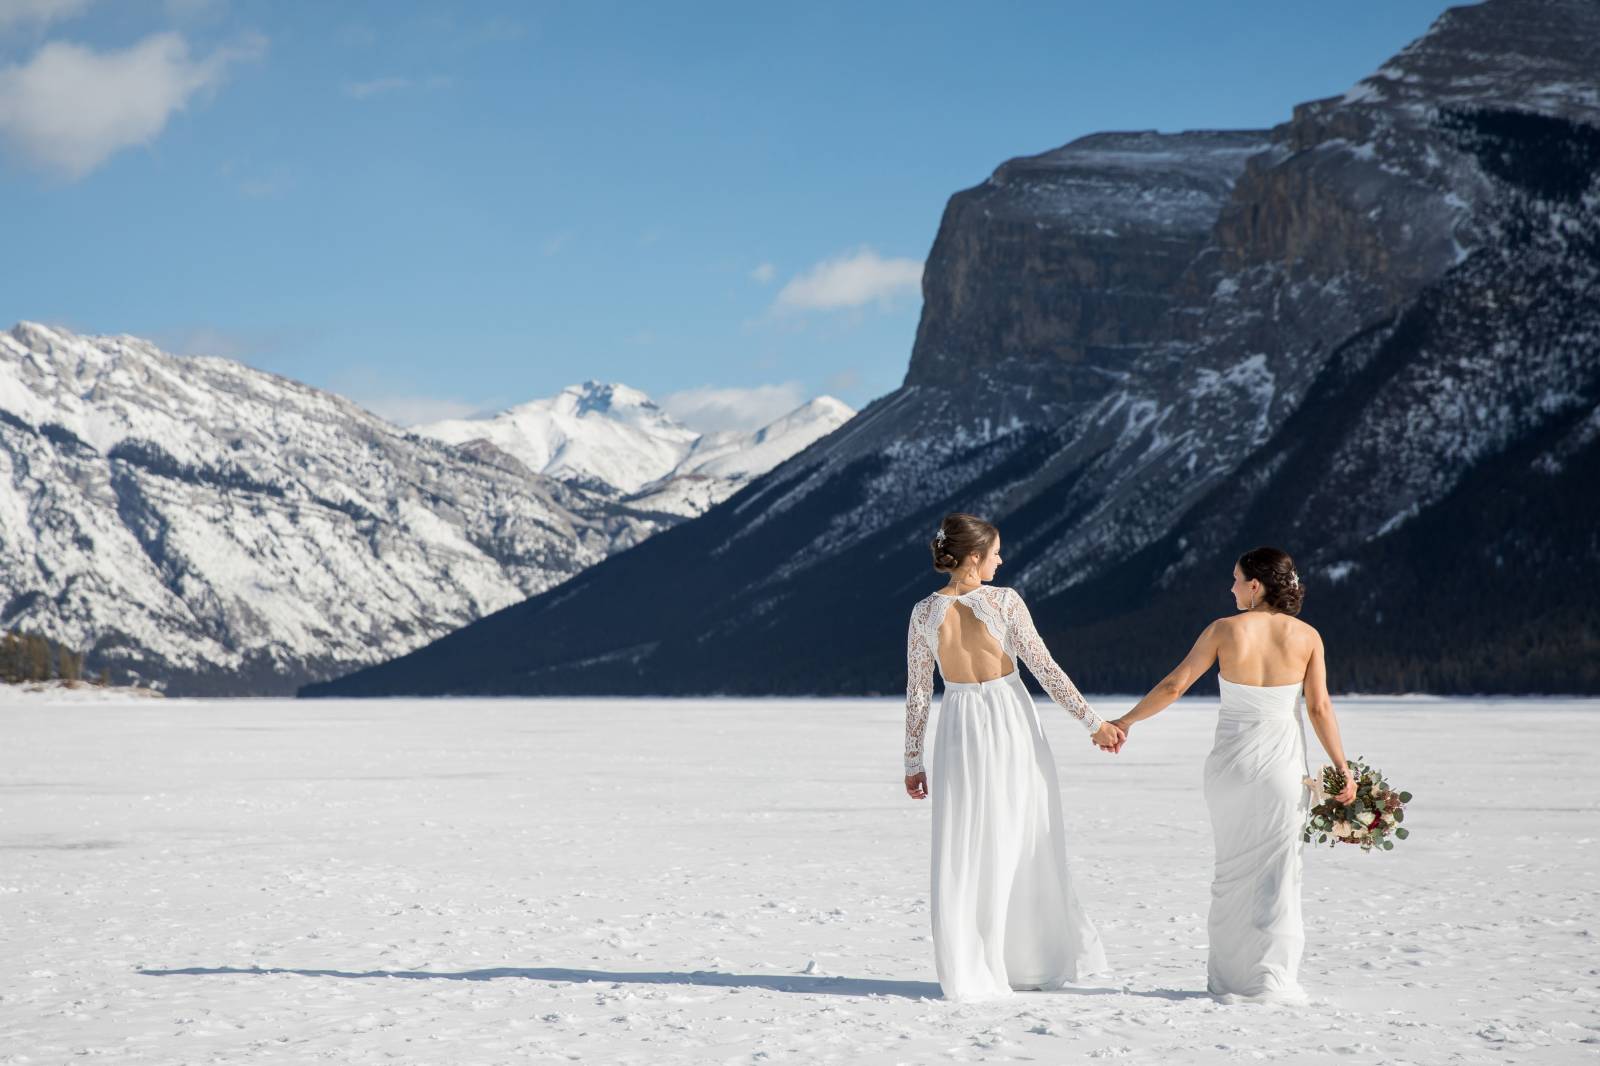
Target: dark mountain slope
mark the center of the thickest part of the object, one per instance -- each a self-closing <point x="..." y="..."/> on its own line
<point x="1368" y="335"/>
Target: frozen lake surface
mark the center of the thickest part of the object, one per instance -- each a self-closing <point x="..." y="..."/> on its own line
<point x="724" y="880"/>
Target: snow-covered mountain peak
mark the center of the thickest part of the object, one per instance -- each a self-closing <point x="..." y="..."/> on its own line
<point x="823" y="409"/>
<point x="596" y="433"/>
<point x="606" y="434"/>
<point x="608" y="399"/>
<point x="104" y="389"/>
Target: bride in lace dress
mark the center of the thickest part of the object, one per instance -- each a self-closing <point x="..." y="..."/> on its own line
<point x="1254" y="776"/>
<point x="1005" y="914"/>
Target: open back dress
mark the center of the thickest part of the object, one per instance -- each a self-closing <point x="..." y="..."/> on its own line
<point x="1005" y="913"/>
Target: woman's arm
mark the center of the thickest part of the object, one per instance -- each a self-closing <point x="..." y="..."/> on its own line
<point x="1201" y="658"/>
<point x="919" y="693"/>
<point x="1319" y="708"/>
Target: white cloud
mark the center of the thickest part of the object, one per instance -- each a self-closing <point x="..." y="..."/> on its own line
<point x="708" y="408"/>
<point x="71" y="108"/>
<point x="764" y="273"/>
<point x="850" y="280"/>
<point x="38" y="12"/>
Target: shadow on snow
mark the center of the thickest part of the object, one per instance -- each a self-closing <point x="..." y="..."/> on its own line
<point x="804" y="983"/>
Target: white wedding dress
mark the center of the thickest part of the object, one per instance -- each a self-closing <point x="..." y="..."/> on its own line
<point x="1258" y="802"/>
<point x="1005" y="915"/>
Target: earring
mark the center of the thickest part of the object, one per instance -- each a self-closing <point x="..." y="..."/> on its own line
<point x="1252" y="601"/>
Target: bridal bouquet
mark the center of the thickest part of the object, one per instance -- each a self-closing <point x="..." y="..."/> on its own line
<point x="1369" y="820"/>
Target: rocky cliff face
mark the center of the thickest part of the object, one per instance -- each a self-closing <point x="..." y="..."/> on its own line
<point x="1063" y="267"/>
<point x="1143" y="353"/>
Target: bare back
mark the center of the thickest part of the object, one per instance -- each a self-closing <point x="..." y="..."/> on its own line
<point x="1266" y="649"/>
<point x="967" y="650"/>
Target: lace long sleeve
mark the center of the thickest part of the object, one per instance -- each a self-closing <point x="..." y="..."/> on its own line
<point x="1030" y="648"/>
<point x="919" y="690"/>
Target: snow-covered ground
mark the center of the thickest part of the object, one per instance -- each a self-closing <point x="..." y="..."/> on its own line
<point x="728" y="880"/>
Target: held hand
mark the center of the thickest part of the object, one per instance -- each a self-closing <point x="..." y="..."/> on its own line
<point x="1109" y="737"/>
<point x="917" y="786"/>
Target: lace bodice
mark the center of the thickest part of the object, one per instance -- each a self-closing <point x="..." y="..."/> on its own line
<point x="1006" y="617"/>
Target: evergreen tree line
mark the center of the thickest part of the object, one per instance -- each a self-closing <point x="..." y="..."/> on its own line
<point x="30" y="657"/>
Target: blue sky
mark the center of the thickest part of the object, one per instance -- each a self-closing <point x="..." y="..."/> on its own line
<point x="438" y="209"/>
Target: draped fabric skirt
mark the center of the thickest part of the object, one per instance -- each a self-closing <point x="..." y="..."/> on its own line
<point x="1258" y="804"/>
<point x="1005" y="914"/>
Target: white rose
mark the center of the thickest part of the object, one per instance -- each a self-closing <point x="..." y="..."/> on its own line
<point x="1366" y="817"/>
<point x="1341" y="829"/>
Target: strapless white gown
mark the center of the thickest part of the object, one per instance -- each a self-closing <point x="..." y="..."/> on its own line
<point x="1255" y="790"/>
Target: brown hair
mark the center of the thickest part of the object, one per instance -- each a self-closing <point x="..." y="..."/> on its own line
<point x="1275" y="570"/>
<point x="959" y="536"/>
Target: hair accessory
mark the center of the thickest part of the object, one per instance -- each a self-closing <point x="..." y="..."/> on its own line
<point x="938" y="538"/>
<point x="1294" y="580"/>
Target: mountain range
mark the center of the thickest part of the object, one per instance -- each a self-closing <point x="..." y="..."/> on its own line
<point x="198" y="525"/>
<point x="617" y="441"/>
<point x="1370" y="335"/>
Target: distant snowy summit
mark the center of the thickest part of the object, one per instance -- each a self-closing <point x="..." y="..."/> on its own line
<point x="205" y="527"/>
<point x="611" y="438"/>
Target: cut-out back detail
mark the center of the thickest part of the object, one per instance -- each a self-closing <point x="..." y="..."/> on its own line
<point x="963" y="634"/>
<point x="1006" y="616"/>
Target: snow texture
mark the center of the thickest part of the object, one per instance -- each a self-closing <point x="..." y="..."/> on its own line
<point x="708" y="880"/>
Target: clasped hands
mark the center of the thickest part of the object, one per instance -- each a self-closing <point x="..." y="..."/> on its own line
<point x="1110" y="736"/>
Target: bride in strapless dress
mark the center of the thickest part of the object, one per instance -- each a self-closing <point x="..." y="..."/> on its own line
<point x="1254" y="777"/>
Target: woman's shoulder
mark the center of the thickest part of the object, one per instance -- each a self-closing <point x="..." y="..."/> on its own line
<point x="1303" y="628"/>
<point x="1000" y="597"/>
<point x="1236" y="623"/>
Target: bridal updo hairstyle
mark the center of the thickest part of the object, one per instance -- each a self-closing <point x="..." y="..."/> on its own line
<point x="1275" y="570"/>
<point x="964" y="535"/>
